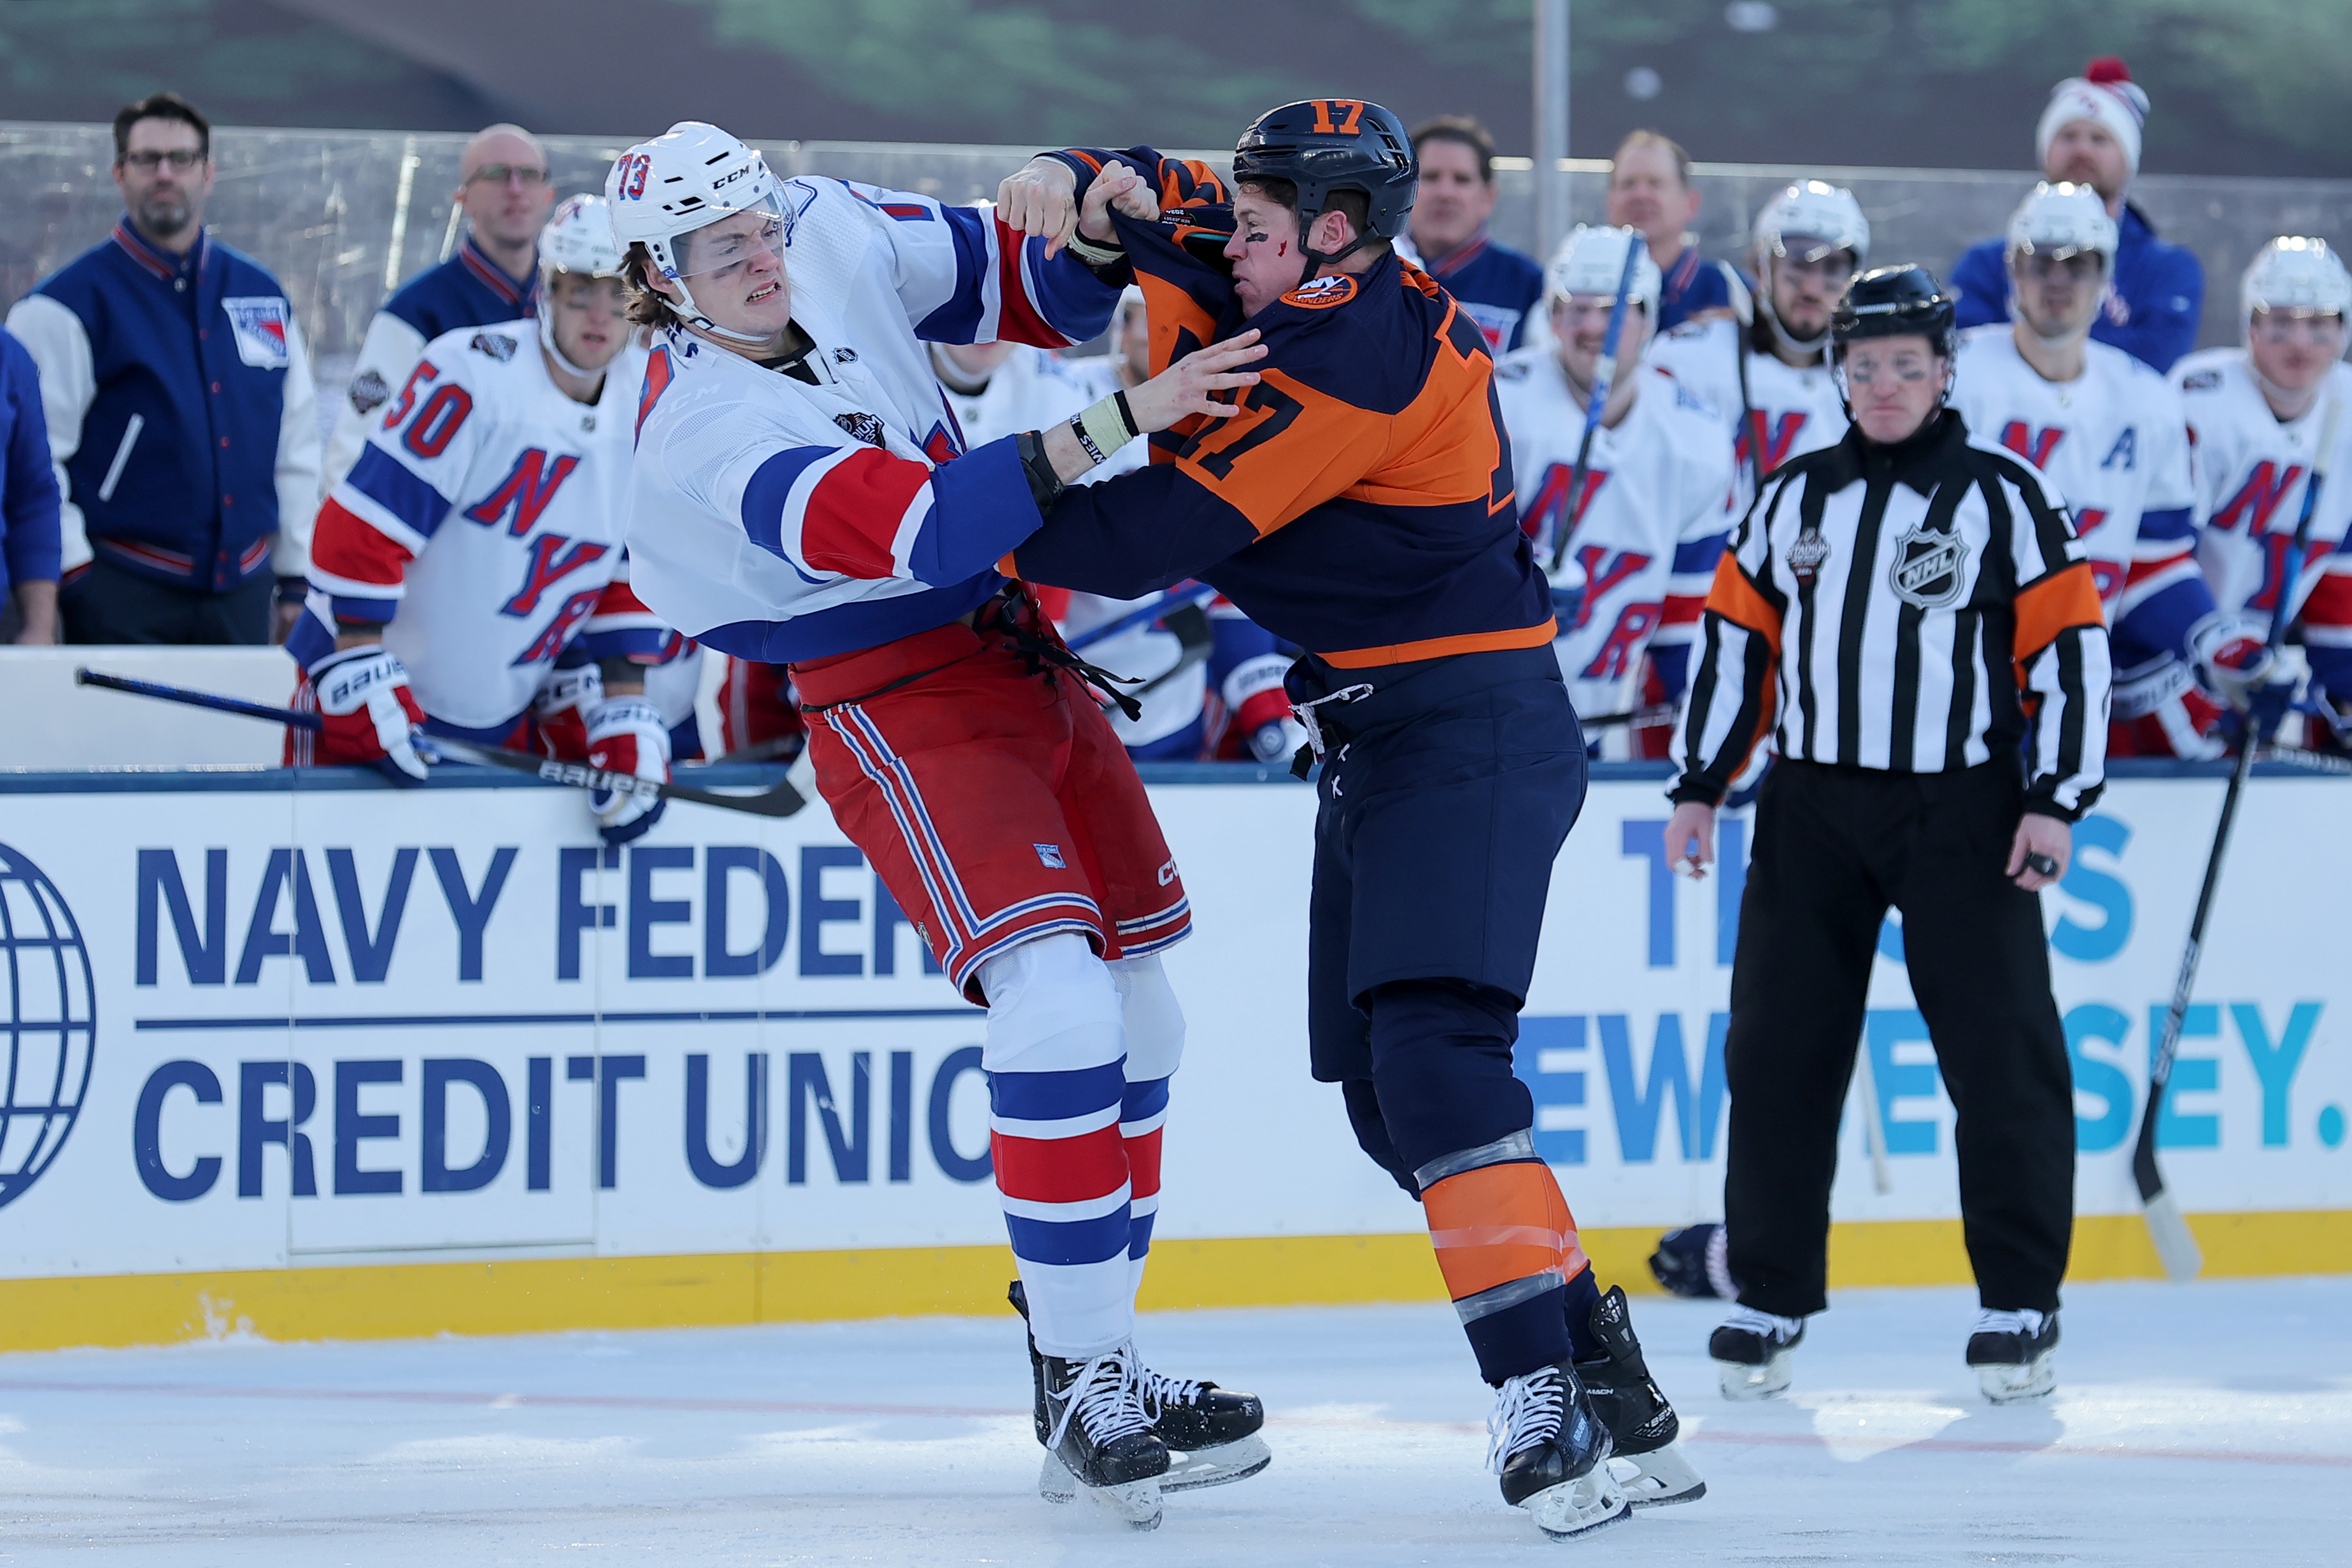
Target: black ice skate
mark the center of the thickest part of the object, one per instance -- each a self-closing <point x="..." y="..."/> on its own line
<point x="1752" y="1352"/>
<point x="1642" y="1424"/>
<point x="2011" y="1351"/>
<point x="1552" y="1453"/>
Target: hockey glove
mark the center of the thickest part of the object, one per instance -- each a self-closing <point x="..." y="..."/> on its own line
<point x="559" y="713"/>
<point x="625" y="735"/>
<point x="364" y="698"/>
<point x="2261" y="706"/>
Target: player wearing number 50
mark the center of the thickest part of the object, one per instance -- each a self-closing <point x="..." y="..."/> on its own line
<point x="1884" y="611"/>
<point x="1361" y="504"/>
<point x="468" y="573"/>
<point x="802" y="497"/>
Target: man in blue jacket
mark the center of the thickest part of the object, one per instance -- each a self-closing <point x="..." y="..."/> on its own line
<point x="1496" y="287"/>
<point x="2090" y="134"/>
<point x="29" y="502"/>
<point x="182" y="421"/>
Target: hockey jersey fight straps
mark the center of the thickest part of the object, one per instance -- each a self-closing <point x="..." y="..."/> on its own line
<point x="2115" y="444"/>
<point x="1374" y="434"/>
<point x="780" y="520"/>
<point x="1790" y="411"/>
<point x="1648" y="528"/>
<point x="482" y="523"/>
<point x="2251" y="470"/>
<point x="1897" y="625"/>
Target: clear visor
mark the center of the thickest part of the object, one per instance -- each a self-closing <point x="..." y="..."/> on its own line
<point x="726" y="247"/>
<point x="1809" y="249"/>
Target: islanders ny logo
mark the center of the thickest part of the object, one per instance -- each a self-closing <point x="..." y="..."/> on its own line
<point x="48" y="1022"/>
<point x="259" y="323"/>
<point x="1322" y="292"/>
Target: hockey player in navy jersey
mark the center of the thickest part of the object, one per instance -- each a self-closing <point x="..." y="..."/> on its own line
<point x="1361" y="504"/>
<point x="468" y="573"/>
<point x="800" y="497"/>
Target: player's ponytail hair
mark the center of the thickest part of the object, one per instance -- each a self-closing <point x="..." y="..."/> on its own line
<point x="646" y="306"/>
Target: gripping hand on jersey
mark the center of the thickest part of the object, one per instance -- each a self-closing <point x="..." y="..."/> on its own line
<point x="368" y="710"/>
<point x="625" y="735"/>
<point x="1042" y="199"/>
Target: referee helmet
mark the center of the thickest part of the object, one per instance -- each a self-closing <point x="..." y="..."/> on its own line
<point x="1894" y="302"/>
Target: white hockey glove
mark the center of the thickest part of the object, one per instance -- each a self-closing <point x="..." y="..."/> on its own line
<point x="560" y="712"/>
<point x="625" y="735"/>
<point x="368" y="709"/>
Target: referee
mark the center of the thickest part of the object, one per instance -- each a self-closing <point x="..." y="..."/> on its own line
<point x="1908" y="615"/>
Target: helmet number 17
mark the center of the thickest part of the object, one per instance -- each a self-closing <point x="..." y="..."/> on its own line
<point x="1352" y="107"/>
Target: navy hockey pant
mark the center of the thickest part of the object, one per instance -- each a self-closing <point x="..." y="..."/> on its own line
<point x="1444" y="798"/>
<point x="1835" y="847"/>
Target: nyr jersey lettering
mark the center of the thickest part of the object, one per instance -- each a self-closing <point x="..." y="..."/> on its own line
<point x="1545" y="515"/>
<point x="1603" y="572"/>
<point x="2034" y="445"/>
<point x="1780" y="432"/>
<point x="553" y="558"/>
<point x="2249" y="510"/>
<point x="524" y="492"/>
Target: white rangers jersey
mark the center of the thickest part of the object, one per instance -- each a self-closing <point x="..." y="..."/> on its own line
<point x="1798" y="410"/>
<point x="482" y="524"/>
<point x="1649" y="526"/>
<point x="780" y="520"/>
<point x="2115" y="443"/>
<point x="2251" y="473"/>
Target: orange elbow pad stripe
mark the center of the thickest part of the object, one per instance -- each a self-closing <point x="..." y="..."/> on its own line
<point x="1737" y="599"/>
<point x="1500" y="1223"/>
<point x="2067" y="597"/>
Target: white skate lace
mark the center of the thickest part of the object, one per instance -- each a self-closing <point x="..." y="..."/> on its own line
<point x="1764" y="1325"/>
<point x="2025" y="1321"/>
<point x="1528" y="1410"/>
<point x="1104" y="1395"/>
<point x="1158" y="1391"/>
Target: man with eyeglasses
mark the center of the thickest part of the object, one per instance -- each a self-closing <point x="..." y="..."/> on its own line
<point x="504" y="191"/>
<point x="2258" y="416"/>
<point x="2110" y="432"/>
<point x="181" y="415"/>
<point x="2089" y="134"/>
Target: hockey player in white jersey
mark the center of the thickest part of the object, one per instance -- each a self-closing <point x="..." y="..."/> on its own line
<point x="1769" y="378"/>
<point x="799" y="498"/>
<point x="2258" y="415"/>
<point x="1643" y="531"/>
<point x="468" y="573"/>
<point x="2110" y="432"/>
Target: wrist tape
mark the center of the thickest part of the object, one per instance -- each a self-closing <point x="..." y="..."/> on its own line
<point x="1103" y="427"/>
<point x="1094" y="255"/>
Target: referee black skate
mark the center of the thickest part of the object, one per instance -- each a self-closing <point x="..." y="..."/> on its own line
<point x="1909" y="616"/>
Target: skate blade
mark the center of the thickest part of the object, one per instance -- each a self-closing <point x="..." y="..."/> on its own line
<point x="1592" y="1501"/>
<point x="2010" y="1385"/>
<point x="1661" y="1477"/>
<point x="1743" y="1382"/>
<point x="1136" y="1502"/>
<point x="1190" y="1470"/>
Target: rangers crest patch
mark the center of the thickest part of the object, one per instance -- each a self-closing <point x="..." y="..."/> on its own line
<point x="368" y="392"/>
<point x="865" y="427"/>
<point x="1929" y="568"/>
<point x="497" y="345"/>
<point x="259" y="323"/>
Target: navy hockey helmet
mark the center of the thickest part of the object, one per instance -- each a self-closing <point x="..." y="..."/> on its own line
<point x="1894" y="302"/>
<point x="1326" y="144"/>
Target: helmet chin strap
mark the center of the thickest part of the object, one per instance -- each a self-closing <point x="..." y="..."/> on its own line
<point x="1819" y="343"/>
<point x="1316" y="259"/>
<point x="692" y="315"/>
<point x="546" y="342"/>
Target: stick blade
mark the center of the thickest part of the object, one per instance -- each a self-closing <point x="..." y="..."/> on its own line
<point x="2176" y="1248"/>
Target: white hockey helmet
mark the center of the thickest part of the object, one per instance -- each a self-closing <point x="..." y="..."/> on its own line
<point x="688" y="177"/>
<point x="2299" y="276"/>
<point x="1812" y="219"/>
<point x="1591" y="261"/>
<point x="2062" y="220"/>
<point x="577" y="242"/>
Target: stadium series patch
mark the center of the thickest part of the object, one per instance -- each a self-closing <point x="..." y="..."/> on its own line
<point x="497" y="345"/>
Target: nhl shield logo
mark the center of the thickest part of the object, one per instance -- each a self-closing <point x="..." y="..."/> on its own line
<point x="1929" y="568"/>
<point x="259" y="323"/>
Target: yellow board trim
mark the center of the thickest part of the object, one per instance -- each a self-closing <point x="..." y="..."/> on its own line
<point x="539" y="1295"/>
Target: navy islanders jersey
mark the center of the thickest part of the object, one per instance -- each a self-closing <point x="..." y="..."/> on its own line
<point x="1360" y="506"/>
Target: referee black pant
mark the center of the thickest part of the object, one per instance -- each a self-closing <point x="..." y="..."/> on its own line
<point x="1835" y="847"/>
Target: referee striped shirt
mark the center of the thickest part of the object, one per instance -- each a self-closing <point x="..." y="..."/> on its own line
<point x="1917" y="607"/>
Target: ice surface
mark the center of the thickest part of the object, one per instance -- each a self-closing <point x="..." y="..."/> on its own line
<point x="2206" y="1424"/>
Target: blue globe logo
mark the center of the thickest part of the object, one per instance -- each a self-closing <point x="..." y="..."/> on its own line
<point x="48" y="1022"/>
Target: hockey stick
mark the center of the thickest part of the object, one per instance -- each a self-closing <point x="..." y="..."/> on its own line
<point x="1604" y="373"/>
<point x="2166" y="1228"/>
<point x="1144" y="614"/>
<point x="1751" y="418"/>
<point x="782" y="800"/>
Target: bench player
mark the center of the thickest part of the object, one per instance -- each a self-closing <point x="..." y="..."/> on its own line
<point x="1360" y="506"/>
<point x="1770" y="380"/>
<point x="801" y="499"/>
<point x="2108" y="431"/>
<point x="2257" y="415"/>
<point x="468" y="573"/>
<point x="1645" y="527"/>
